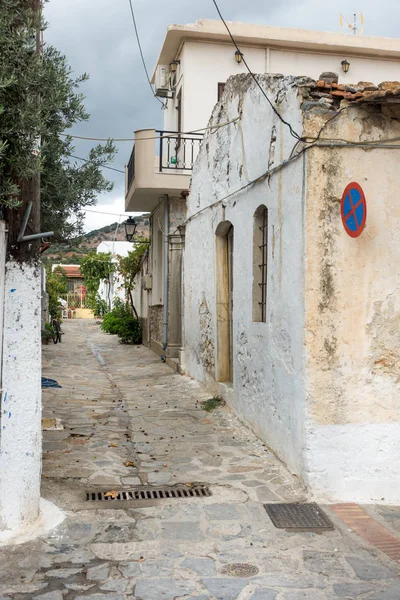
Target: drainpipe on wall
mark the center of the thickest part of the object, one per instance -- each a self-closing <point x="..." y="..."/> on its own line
<point x="181" y="230"/>
<point x="166" y="277"/>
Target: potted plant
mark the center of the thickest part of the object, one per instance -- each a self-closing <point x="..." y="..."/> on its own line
<point x="46" y="336"/>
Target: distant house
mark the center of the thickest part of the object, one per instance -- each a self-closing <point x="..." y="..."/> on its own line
<point x="74" y="277"/>
<point x="113" y="288"/>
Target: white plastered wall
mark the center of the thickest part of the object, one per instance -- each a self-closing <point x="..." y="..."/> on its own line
<point x="268" y="383"/>
<point x="353" y="316"/>
<point x="20" y="436"/>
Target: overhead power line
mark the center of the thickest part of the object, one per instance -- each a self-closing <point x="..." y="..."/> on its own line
<point x="141" y="53"/>
<point x="292" y="131"/>
<point x="212" y="128"/>
<point x="101" y="164"/>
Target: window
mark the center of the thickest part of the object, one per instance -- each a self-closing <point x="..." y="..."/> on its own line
<point x="260" y="264"/>
<point x="221" y="87"/>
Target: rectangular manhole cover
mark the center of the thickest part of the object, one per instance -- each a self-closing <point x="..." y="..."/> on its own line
<point x="149" y="493"/>
<point x="298" y="516"/>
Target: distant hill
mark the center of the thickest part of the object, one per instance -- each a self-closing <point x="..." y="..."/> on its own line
<point x="77" y="249"/>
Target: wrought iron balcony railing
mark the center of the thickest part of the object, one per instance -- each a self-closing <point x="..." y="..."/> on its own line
<point x="131" y="167"/>
<point x="178" y="152"/>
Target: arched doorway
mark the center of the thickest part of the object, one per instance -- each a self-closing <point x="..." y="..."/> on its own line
<point x="224" y="284"/>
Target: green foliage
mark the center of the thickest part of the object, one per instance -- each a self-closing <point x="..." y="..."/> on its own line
<point x="46" y="335"/>
<point x="100" y="306"/>
<point x="121" y="322"/>
<point x="212" y="403"/>
<point x="56" y="286"/>
<point x="129" y="266"/>
<point x="94" y="268"/>
<point x="39" y="100"/>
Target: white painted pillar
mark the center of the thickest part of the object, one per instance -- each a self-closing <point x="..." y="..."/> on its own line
<point x="20" y="425"/>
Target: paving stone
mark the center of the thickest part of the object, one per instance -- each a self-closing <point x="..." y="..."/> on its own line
<point x="391" y="593"/>
<point x="182" y="531"/>
<point x="304" y="595"/>
<point x="179" y="540"/>
<point x="225" y="589"/>
<point x="131" y="569"/>
<point x="264" y="494"/>
<point x="99" y="572"/>
<point x="325" y="563"/>
<point x="221" y="512"/>
<point x="161" y="478"/>
<point x="163" y="589"/>
<point x="102" y="597"/>
<point x="367" y="569"/>
<point x="202" y="566"/>
<point x="56" y="595"/>
<point x="77" y="587"/>
<point x="115" y="585"/>
<point x="264" y="594"/>
<point x="351" y="590"/>
<point x="157" y="568"/>
<point x="131" y="481"/>
<point x="62" y="573"/>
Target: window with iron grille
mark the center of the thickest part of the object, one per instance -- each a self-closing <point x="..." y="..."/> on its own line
<point x="260" y="264"/>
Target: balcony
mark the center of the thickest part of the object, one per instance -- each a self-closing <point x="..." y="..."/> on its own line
<point x="161" y="163"/>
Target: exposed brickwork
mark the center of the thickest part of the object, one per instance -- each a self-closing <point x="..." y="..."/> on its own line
<point x="370" y="530"/>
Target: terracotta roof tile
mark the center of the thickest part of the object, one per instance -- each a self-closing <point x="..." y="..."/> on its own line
<point x="363" y="91"/>
<point x="72" y="271"/>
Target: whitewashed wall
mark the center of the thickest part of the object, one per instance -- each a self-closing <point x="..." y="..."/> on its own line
<point x="268" y="387"/>
<point x="20" y="436"/>
<point x="353" y="316"/>
<point x="204" y="64"/>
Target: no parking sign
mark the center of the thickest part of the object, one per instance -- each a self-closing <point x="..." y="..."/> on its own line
<point x="353" y="209"/>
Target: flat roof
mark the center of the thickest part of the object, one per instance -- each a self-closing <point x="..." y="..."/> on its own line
<point x="264" y="35"/>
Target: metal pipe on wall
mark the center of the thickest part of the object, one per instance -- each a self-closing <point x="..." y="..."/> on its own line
<point x="166" y="275"/>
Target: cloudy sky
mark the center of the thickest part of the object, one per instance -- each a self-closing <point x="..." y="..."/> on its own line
<point x="97" y="36"/>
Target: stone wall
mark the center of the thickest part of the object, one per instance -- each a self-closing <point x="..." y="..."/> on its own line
<point x="156" y="325"/>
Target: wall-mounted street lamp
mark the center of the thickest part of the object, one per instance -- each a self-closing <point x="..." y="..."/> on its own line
<point x="238" y="57"/>
<point x="345" y="66"/>
<point x="130" y="229"/>
<point x="173" y="66"/>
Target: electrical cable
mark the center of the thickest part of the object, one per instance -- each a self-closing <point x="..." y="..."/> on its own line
<point x="141" y="53"/>
<point x="292" y="131"/>
<point x="101" y="164"/>
<point x="331" y="143"/>
<point x="156" y="137"/>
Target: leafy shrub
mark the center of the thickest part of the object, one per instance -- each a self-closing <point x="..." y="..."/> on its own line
<point x="121" y="322"/>
<point x="100" y="306"/>
<point x="130" y="331"/>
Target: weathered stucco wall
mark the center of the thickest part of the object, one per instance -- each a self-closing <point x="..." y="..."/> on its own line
<point x="268" y="358"/>
<point x="353" y="315"/>
<point x="20" y="437"/>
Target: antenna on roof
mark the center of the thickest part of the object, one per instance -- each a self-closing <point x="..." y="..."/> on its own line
<point x="345" y="23"/>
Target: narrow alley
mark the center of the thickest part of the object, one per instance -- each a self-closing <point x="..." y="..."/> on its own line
<point x="124" y="419"/>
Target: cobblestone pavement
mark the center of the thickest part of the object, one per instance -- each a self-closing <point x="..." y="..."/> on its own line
<point x="129" y="420"/>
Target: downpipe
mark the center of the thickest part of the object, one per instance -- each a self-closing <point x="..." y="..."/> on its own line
<point x="166" y="277"/>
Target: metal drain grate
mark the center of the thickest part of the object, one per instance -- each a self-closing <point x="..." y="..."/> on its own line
<point x="298" y="516"/>
<point x="146" y="493"/>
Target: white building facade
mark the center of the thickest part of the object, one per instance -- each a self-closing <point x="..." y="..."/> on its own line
<point x="291" y="320"/>
<point x="193" y="66"/>
<point x="113" y="288"/>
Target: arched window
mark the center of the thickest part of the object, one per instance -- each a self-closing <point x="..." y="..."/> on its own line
<point x="260" y="264"/>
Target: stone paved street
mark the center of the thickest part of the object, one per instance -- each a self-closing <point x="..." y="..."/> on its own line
<point x="129" y="420"/>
